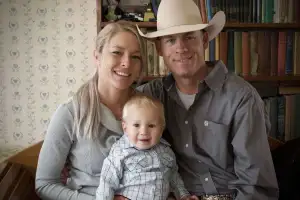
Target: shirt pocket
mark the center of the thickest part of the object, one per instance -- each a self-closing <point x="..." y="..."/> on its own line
<point x="137" y="163"/>
<point x="214" y="141"/>
<point x="167" y="160"/>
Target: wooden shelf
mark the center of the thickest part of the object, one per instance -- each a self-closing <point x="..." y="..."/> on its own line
<point x="272" y="78"/>
<point x="263" y="26"/>
<point x="244" y="26"/>
<point x="140" y="24"/>
<point x="294" y="80"/>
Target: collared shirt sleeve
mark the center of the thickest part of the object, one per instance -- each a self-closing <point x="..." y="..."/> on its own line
<point x="176" y="181"/>
<point x="52" y="158"/>
<point x="111" y="175"/>
<point x="253" y="163"/>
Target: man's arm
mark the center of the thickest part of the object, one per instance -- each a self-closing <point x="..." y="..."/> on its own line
<point x="110" y="177"/>
<point x="253" y="163"/>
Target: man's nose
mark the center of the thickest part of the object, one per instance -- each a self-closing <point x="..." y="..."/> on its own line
<point x="181" y="47"/>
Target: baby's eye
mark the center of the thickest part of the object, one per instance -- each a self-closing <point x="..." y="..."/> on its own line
<point x="136" y="125"/>
<point x="151" y="125"/>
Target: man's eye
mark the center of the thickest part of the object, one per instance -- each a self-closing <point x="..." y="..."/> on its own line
<point x="190" y="37"/>
<point x="136" y="125"/>
<point x="171" y="40"/>
<point x="136" y="57"/>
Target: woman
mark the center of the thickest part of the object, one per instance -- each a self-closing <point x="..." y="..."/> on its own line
<point x="82" y="130"/>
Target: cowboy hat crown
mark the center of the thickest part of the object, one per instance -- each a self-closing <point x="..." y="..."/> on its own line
<point x="180" y="16"/>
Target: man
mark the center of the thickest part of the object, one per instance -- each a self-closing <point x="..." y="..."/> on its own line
<point x="215" y="120"/>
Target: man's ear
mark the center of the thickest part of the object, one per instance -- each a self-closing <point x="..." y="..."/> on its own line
<point x="158" y="47"/>
<point x="205" y="40"/>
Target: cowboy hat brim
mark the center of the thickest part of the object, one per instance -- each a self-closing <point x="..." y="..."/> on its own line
<point x="214" y="27"/>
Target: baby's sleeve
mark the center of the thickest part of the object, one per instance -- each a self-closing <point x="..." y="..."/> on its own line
<point x="111" y="174"/>
<point x="176" y="181"/>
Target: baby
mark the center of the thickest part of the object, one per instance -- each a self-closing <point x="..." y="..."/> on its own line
<point x="141" y="165"/>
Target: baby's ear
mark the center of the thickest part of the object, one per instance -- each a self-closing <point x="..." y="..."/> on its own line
<point x="124" y="126"/>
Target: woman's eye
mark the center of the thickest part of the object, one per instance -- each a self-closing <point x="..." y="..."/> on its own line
<point x="136" y="125"/>
<point x="116" y="52"/>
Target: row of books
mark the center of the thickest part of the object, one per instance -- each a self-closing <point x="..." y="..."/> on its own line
<point x="257" y="52"/>
<point x="256" y="11"/>
<point x="284" y="111"/>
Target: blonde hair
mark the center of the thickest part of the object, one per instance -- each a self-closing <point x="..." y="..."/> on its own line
<point x="86" y="101"/>
<point x="144" y="102"/>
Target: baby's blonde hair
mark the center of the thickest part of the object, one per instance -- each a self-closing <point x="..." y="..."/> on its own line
<point x="144" y="102"/>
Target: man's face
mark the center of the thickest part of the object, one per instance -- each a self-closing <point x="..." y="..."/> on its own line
<point x="183" y="53"/>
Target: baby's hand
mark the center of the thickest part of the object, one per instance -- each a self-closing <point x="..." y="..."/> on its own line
<point x="119" y="197"/>
<point x="190" y="198"/>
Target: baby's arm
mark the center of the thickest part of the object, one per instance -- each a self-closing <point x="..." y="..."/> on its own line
<point x="177" y="184"/>
<point x="110" y="177"/>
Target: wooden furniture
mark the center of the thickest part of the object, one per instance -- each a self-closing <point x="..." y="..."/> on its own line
<point x="17" y="175"/>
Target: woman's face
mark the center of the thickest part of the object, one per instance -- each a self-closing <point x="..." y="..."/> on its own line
<point x="119" y="64"/>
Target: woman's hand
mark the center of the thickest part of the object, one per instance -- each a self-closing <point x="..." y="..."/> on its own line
<point x="119" y="197"/>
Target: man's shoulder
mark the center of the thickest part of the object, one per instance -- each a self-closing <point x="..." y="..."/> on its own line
<point x="235" y="83"/>
<point x="152" y="88"/>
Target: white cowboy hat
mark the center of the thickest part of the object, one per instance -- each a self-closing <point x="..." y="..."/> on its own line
<point x="180" y="16"/>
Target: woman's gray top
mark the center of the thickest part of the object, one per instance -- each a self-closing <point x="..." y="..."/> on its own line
<point x="84" y="155"/>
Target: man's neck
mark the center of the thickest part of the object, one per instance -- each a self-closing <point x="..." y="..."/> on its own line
<point x="189" y="85"/>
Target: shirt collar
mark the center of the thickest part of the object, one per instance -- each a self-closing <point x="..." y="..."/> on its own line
<point x="128" y="144"/>
<point x="214" y="80"/>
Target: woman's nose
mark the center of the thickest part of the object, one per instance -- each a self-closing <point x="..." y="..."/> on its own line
<point x="125" y="62"/>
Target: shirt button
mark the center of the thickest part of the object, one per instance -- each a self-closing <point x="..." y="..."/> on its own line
<point x="186" y="122"/>
<point x="205" y="123"/>
<point x="187" y="145"/>
<point x="206" y="179"/>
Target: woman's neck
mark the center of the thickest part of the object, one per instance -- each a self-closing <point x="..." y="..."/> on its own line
<point x="114" y="98"/>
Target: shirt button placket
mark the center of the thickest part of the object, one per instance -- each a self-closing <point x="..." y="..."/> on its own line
<point x="186" y="122"/>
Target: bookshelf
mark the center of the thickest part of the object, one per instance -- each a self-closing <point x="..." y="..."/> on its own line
<point x="276" y="85"/>
<point x="242" y="26"/>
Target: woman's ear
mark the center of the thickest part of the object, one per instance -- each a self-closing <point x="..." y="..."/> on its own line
<point x="97" y="56"/>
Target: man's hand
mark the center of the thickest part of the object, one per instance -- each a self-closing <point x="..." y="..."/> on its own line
<point x="190" y="198"/>
<point x="119" y="197"/>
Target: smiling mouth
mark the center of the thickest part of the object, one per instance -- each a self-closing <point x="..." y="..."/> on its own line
<point x="123" y="74"/>
<point x="184" y="60"/>
<point x="144" y="140"/>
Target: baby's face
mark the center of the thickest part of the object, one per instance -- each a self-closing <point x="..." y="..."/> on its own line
<point x="143" y="127"/>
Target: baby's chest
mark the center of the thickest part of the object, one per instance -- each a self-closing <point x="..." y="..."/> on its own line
<point x="149" y="161"/>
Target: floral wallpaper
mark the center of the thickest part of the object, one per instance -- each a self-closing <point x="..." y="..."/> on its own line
<point x="46" y="49"/>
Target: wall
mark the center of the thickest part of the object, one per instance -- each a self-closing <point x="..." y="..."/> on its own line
<point x="46" y="51"/>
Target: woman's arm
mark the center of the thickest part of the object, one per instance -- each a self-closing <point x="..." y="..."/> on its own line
<point x="52" y="158"/>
